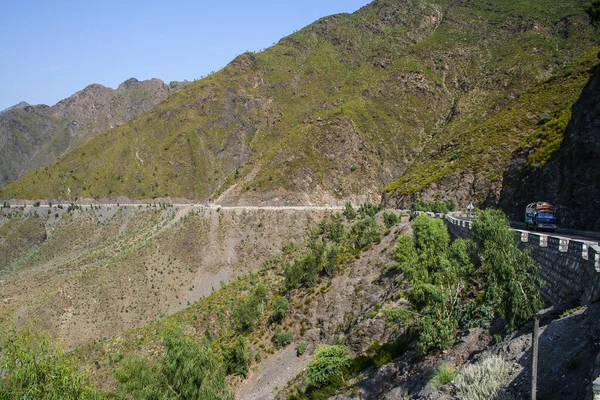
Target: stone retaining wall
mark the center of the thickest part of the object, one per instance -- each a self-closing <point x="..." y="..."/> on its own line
<point x="570" y="268"/>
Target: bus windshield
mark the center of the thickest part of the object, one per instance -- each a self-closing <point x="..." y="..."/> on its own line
<point x="545" y="214"/>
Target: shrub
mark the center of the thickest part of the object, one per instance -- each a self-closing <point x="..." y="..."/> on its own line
<point x="328" y="362"/>
<point x="593" y="12"/>
<point x="281" y="306"/>
<point x="349" y="211"/>
<point x="335" y="229"/>
<point x="443" y="374"/>
<point x="390" y="219"/>
<point x="304" y="272"/>
<point x="34" y="368"/>
<point x="281" y="338"/>
<point x="301" y="348"/>
<point x="247" y="313"/>
<point x="436" y="206"/>
<point x="188" y="370"/>
<point x="368" y="210"/>
<point x="237" y="358"/>
<point x="331" y="261"/>
<point x="483" y="380"/>
<point x="382" y="354"/>
<point x="363" y="232"/>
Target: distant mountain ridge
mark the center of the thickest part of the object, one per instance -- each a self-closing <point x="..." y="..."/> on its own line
<point x="32" y="137"/>
<point x="21" y="104"/>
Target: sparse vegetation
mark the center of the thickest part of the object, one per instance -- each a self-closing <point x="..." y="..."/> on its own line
<point x="281" y="307"/>
<point x="237" y="357"/>
<point x="483" y="380"/>
<point x="443" y="374"/>
<point x="281" y="338"/>
<point x="329" y="361"/>
<point x="301" y="347"/>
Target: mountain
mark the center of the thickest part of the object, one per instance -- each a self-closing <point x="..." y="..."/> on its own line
<point x="425" y="99"/>
<point x="21" y="104"/>
<point x="569" y="179"/>
<point x="32" y="137"/>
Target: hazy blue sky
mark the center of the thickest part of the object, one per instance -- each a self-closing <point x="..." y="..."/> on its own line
<point x="51" y="49"/>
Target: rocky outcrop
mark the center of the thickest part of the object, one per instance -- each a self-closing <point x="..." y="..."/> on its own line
<point x="21" y="104"/>
<point x="32" y="137"/>
<point x="570" y="179"/>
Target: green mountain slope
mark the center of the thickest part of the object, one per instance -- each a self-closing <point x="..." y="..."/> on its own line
<point x="32" y="137"/>
<point x="339" y="110"/>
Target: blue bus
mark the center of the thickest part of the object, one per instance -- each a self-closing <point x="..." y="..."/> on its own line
<point x="541" y="215"/>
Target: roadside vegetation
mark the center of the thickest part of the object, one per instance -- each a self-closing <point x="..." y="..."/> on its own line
<point x="448" y="286"/>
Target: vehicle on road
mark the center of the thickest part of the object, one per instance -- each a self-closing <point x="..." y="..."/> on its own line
<point x="541" y="216"/>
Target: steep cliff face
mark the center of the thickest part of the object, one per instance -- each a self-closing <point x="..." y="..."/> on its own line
<point x="32" y="137"/>
<point x="570" y="178"/>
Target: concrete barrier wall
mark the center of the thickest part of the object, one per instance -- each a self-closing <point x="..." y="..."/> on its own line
<point x="570" y="268"/>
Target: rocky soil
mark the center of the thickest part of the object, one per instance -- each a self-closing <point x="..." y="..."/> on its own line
<point x="89" y="274"/>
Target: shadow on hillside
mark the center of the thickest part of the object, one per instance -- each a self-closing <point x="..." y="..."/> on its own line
<point x="567" y="350"/>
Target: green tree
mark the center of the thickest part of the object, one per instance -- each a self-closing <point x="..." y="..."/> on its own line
<point x="281" y="338"/>
<point x="34" y="368"/>
<point x="304" y="272"/>
<point x="246" y="314"/>
<point x="368" y="210"/>
<point x="363" y="232"/>
<point x="327" y="362"/>
<point x="331" y="261"/>
<point x="281" y="306"/>
<point x="593" y="12"/>
<point x="189" y="370"/>
<point x="512" y="279"/>
<point x="390" y="219"/>
<point x="237" y="357"/>
<point x="437" y="272"/>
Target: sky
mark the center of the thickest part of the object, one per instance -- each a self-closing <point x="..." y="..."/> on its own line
<point x="51" y="49"/>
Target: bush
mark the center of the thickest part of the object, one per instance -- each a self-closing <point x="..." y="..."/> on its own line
<point x="443" y="374"/>
<point x="247" y="313"/>
<point x="331" y="258"/>
<point x="436" y="206"/>
<point x="281" y="306"/>
<point x="188" y="370"/>
<point x="382" y="354"/>
<point x="237" y="358"/>
<point x="484" y="380"/>
<point x="304" y="273"/>
<point x="281" y="338"/>
<point x="593" y="12"/>
<point x="35" y="369"/>
<point x="363" y="232"/>
<point x="301" y="348"/>
<point x="368" y="210"/>
<point x="390" y="219"/>
<point x="349" y="211"/>
<point x="328" y="362"/>
<point x="437" y="273"/>
<point x="332" y="229"/>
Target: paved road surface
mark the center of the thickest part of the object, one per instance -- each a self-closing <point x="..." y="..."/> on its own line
<point x="591" y="237"/>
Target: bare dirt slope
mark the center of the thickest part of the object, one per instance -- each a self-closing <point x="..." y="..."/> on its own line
<point x="88" y="275"/>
